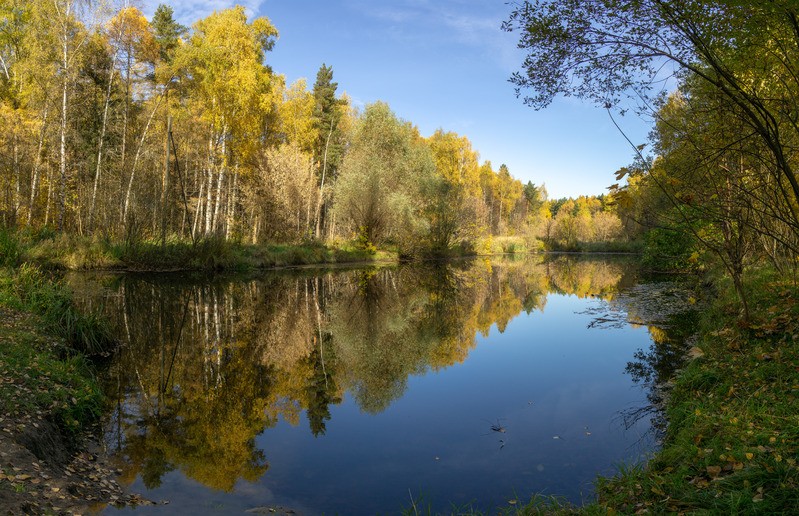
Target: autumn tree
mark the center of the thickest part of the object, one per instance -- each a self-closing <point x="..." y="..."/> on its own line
<point x="605" y="51"/>
<point x="378" y="192"/>
<point x="232" y="91"/>
<point x="457" y="197"/>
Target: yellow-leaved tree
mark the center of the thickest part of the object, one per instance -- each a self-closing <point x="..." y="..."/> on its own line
<point x="233" y="91"/>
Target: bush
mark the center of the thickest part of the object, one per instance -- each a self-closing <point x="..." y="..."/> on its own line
<point x="669" y="250"/>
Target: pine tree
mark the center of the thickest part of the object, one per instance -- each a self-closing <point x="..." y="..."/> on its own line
<point x="327" y="150"/>
<point x="167" y="31"/>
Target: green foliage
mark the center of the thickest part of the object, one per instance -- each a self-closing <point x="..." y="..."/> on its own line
<point x="669" y="250"/>
<point x="167" y="31"/>
<point x="329" y="147"/>
<point x="363" y="240"/>
<point x="44" y="340"/>
<point x="379" y="187"/>
<point x="65" y="387"/>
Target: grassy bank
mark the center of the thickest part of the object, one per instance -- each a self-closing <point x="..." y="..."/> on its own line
<point x="613" y="246"/>
<point x="51" y="251"/>
<point x="46" y="343"/>
<point x="733" y="435"/>
<point x="732" y="442"/>
<point x="49" y="399"/>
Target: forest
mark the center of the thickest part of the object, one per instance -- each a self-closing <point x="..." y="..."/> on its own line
<point x="128" y="129"/>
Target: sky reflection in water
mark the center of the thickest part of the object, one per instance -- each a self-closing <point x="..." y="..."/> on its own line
<point x="351" y="391"/>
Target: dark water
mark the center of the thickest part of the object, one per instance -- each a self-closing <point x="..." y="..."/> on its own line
<point x="355" y="391"/>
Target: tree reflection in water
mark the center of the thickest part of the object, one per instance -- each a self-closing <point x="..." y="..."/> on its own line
<point x="208" y="364"/>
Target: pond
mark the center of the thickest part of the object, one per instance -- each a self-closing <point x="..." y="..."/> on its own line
<point x="364" y="391"/>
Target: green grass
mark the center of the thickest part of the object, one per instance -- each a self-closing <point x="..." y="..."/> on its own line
<point x="81" y="253"/>
<point x="617" y="246"/>
<point x="28" y="289"/>
<point x="313" y="253"/>
<point x="9" y="249"/>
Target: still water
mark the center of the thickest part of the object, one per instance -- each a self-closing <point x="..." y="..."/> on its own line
<point x="364" y="391"/>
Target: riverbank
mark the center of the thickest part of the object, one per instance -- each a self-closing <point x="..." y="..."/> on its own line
<point x="87" y="253"/>
<point x="732" y="441"/>
<point x="70" y="252"/>
<point x="50" y="402"/>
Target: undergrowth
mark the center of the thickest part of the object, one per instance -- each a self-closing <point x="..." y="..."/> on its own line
<point x="29" y="289"/>
<point x="35" y="379"/>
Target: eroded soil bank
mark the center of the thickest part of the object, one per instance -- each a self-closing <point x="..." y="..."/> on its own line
<point x="44" y="468"/>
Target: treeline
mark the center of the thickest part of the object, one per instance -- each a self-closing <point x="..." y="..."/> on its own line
<point x="714" y="191"/>
<point x="125" y="128"/>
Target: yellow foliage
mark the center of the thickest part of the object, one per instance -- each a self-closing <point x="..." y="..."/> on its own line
<point x="296" y="116"/>
<point x="456" y="161"/>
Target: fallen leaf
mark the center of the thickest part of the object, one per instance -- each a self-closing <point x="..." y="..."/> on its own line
<point x="695" y="352"/>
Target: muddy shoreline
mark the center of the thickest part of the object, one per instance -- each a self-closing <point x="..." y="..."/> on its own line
<point x="43" y="474"/>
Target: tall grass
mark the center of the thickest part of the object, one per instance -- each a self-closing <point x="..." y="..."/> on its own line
<point x="28" y="288"/>
<point x="9" y="249"/>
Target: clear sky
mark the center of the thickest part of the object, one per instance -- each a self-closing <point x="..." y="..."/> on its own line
<point x="443" y="64"/>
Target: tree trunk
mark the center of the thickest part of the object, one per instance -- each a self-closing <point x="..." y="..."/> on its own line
<point x="50" y="194"/>
<point x="220" y="182"/>
<point x="18" y="182"/>
<point x="209" y="212"/>
<point x="321" y="197"/>
<point x="208" y="192"/>
<point x="90" y="223"/>
<point x="36" y="166"/>
<point x="125" y="112"/>
<point x="165" y="181"/>
<point x="232" y="203"/>
<point x="198" y="212"/>
<point x="135" y="163"/>
<point x="62" y="191"/>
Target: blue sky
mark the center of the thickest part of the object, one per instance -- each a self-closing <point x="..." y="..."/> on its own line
<point x="443" y="64"/>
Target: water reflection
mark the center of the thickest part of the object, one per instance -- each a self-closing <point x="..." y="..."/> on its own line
<point x="209" y="364"/>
